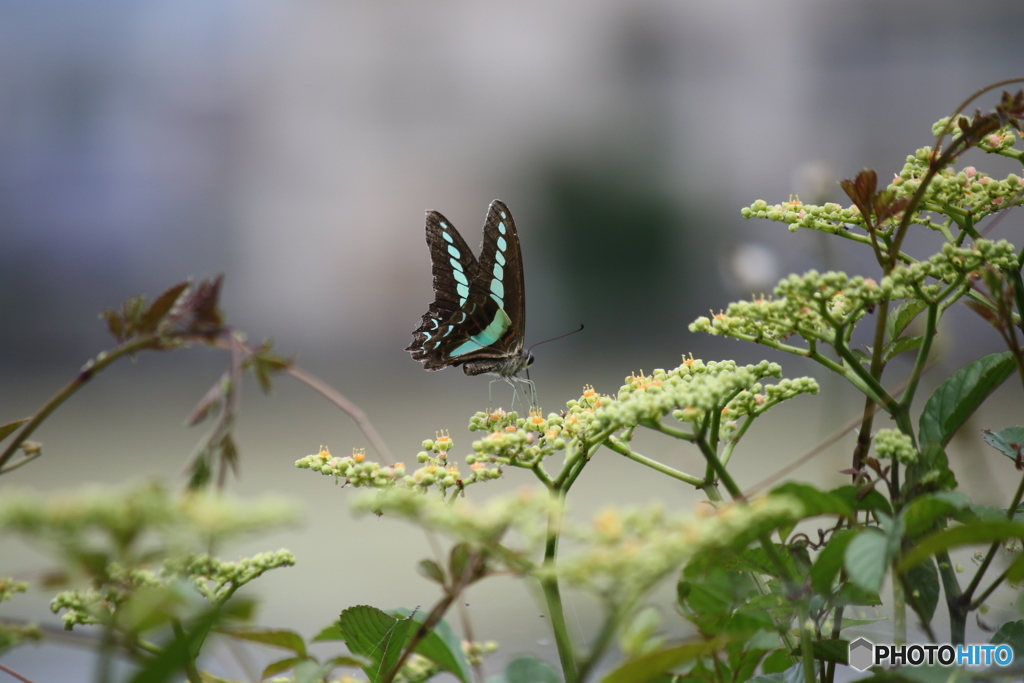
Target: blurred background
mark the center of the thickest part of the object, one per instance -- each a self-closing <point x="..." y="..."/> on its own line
<point x="295" y="146"/>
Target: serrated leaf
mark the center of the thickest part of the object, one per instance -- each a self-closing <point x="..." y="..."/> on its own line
<point x="901" y="345"/>
<point x="830" y="560"/>
<point x="158" y="310"/>
<point x="901" y="316"/>
<point x="1009" y="442"/>
<point x="956" y="399"/>
<point x="922" y="583"/>
<point x="376" y="635"/>
<point x="9" y="428"/>
<point x="967" y="534"/>
<point x="530" y="670"/>
<point x="288" y="640"/>
<point x="867" y="559"/>
<point x="441" y="645"/>
<point x="651" y="665"/>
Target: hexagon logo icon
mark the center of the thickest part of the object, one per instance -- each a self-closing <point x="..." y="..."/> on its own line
<point x="861" y="654"/>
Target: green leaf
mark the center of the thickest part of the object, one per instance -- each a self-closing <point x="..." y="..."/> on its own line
<point x="901" y="316"/>
<point x="1011" y="633"/>
<point x="830" y="561"/>
<point x="9" y="428"/>
<point x="816" y="502"/>
<point x="376" y="635"/>
<point x="858" y="498"/>
<point x="441" y="646"/>
<point x="958" y="397"/>
<point x="967" y="534"/>
<point x="899" y="346"/>
<point x="925" y="511"/>
<point x="280" y="666"/>
<point x="289" y="640"/>
<point x="530" y="670"/>
<point x="168" y="665"/>
<point x="431" y="570"/>
<point x="651" y="665"/>
<point x="922" y="583"/>
<point x="867" y="559"/>
<point x="777" y="662"/>
<point x="830" y="650"/>
<point x="1009" y="442"/>
<point x="332" y="632"/>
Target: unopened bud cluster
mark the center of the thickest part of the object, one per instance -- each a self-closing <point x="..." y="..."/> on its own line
<point x="524" y="442"/>
<point x="967" y="189"/>
<point x="811" y="306"/>
<point x="891" y="444"/>
<point x="434" y="471"/>
<point x="695" y="389"/>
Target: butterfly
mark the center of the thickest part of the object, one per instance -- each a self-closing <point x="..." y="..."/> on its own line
<point x="478" y="317"/>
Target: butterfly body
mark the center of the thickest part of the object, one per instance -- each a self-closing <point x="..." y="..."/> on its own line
<point x="478" y="316"/>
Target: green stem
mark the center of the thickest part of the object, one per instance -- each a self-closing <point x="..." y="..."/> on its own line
<point x="899" y="612"/>
<point x="553" y="596"/>
<point x="622" y="449"/>
<point x="188" y="662"/>
<point x="955" y="603"/>
<point x="922" y="357"/>
<point x="806" y="645"/>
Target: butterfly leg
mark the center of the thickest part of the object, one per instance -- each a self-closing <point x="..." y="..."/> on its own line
<point x="517" y="384"/>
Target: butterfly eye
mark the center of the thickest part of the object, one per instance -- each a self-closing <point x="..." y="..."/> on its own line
<point x="529" y="360"/>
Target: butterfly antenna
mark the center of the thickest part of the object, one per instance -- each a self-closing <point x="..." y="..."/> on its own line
<point x="561" y="336"/>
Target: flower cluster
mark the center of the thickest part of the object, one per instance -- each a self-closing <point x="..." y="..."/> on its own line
<point x="86" y="525"/>
<point x="217" y="579"/>
<point x="812" y="306"/>
<point x="627" y="552"/>
<point x="952" y="264"/>
<point x="435" y="469"/>
<point x="98" y="604"/>
<point x="354" y="470"/>
<point x="214" y="579"/>
<point x="891" y="444"/>
<point x="949" y="189"/>
<point x="692" y="391"/>
<point x="513" y="440"/>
